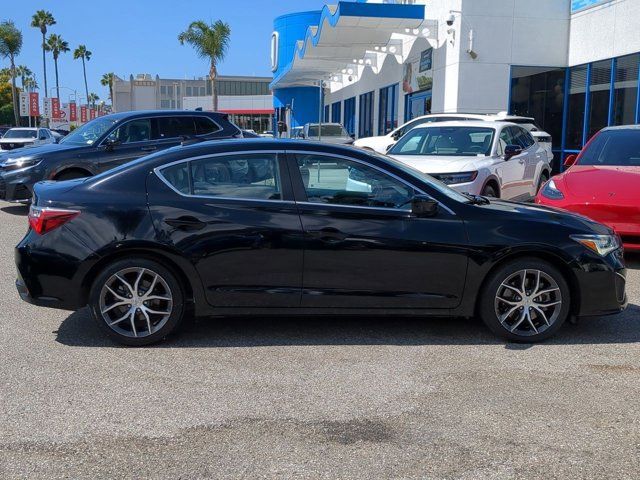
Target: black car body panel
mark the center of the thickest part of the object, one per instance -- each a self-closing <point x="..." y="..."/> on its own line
<point x="52" y="160"/>
<point x="287" y="255"/>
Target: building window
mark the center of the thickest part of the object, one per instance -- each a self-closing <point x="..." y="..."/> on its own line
<point x="350" y="115"/>
<point x="539" y="93"/>
<point x="163" y="90"/>
<point x="388" y="109"/>
<point x="575" y="108"/>
<point x="188" y="89"/>
<point x="165" y="103"/>
<point x="365" y="115"/>
<point x="599" y="91"/>
<point x="625" y="95"/>
<point x="170" y="91"/>
<point x="325" y="116"/>
<point x="202" y="91"/>
<point x="417" y="105"/>
<point x="336" y="112"/>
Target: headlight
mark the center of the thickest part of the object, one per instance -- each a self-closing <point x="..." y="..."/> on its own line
<point x="551" y="191"/>
<point x="454" y="178"/>
<point x="601" y="244"/>
<point x="20" y="162"/>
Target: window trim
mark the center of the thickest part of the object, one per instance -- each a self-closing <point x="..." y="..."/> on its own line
<point x="277" y="153"/>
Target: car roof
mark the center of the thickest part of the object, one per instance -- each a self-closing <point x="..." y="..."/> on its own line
<point x="464" y="123"/>
<point x="24" y="129"/>
<point x="160" y="113"/>
<point x="624" y="127"/>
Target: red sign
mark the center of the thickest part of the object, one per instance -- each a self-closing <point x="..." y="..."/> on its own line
<point x="92" y="113"/>
<point x="73" y="112"/>
<point x="83" y="113"/>
<point x="34" y="104"/>
<point x="55" y="107"/>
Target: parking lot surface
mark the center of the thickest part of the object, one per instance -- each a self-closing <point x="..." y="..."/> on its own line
<point x="314" y="398"/>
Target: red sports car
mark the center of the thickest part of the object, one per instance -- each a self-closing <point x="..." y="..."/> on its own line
<point x="603" y="183"/>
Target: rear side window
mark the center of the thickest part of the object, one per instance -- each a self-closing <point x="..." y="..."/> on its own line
<point x="172" y="127"/>
<point x="522" y="137"/>
<point x="205" y="125"/>
<point x="138" y="130"/>
<point x="252" y="176"/>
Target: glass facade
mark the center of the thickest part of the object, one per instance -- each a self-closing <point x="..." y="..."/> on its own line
<point x="350" y="115"/>
<point x="388" y="109"/>
<point x="336" y="112"/>
<point x="599" y="94"/>
<point x="365" y="115"/>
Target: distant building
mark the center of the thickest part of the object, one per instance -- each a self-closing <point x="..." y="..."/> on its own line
<point x="247" y="100"/>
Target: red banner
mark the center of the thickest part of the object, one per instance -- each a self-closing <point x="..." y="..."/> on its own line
<point x="34" y="104"/>
<point x="92" y="113"/>
<point x="73" y="112"/>
<point x="55" y="107"/>
<point x="83" y="114"/>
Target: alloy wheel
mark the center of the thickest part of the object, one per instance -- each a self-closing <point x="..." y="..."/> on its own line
<point x="136" y="302"/>
<point x="528" y="302"/>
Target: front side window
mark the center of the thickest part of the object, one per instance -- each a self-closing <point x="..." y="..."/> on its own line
<point x="337" y="181"/>
<point x="620" y="148"/>
<point x="252" y="176"/>
<point x="131" y="132"/>
<point x="445" y="141"/>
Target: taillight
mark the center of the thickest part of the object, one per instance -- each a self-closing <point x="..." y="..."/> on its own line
<point x="44" y="219"/>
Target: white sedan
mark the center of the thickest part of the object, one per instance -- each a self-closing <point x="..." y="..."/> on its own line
<point x="494" y="159"/>
<point x="24" y="137"/>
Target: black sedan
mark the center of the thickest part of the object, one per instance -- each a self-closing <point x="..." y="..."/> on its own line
<point x="270" y="227"/>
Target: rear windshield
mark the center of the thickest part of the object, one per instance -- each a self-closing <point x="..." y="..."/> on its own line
<point x="327" y="131"/>
<point x="613" y="148"/>
<point x="13" y="133"/>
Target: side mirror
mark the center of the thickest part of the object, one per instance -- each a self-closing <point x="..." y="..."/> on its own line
<point x="397" y="134"/>
<point x="388" y="148"/>
<point x="570" y="160"/>
<point x="110" y="143"/>
<point x="511" y="151"/>
<point x="302" y="135"/>
<point x="353" y="135"/>
<point x="424" y="206"/>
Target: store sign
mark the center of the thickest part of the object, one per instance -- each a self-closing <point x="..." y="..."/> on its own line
<point x="83" y="114"/>
<point x="73" y="112"/>
<point x="55" y="108"/>
<point x="24" y="104"/>
<point x="577" y="5"/>
<point x="34" y="104"/>
<point x="46" y="107"/>
<point x="426" y="60"/>
<point x="415" y="78"/>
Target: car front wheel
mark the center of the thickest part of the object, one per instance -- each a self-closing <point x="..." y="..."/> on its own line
<point x="526" y="300"/>
<point x="137" y="301"/>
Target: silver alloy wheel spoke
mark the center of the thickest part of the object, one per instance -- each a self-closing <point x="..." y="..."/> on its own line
<point x="520" y="295"/>
<point x="143" y="310"/>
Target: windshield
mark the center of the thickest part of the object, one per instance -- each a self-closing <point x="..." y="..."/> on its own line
<point x="89" y="132"/>
<point x="328" y="131"/>
<point x="432" y="182"/>
<point x="446" y="141"/>
<point x="620" y="148"/>
<point x="15" y="133"/>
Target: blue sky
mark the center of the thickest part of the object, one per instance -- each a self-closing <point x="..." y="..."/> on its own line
<point x="140" y="36"/>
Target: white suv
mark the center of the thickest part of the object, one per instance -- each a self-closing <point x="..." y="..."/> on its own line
<point x="494" y="159"/>
<point x="382" y="143"/>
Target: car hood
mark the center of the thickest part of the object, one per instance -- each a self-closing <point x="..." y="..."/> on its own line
<point x="17" y="140"/>
<point x="40" y="150"/>
<point x="599" y="184"/>
<point x="440" y="164"/>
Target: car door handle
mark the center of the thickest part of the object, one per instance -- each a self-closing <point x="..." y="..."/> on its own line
<point x="185" y="223"/>
<point x="328" y="235"/>
<point x="149" y="149"/>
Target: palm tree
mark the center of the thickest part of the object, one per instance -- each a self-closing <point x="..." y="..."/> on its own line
<point x="56" y="45"/>
<point x="92" y="98"/>
<point x="84" y="54"/>
<point x="210" y="42"/>
<point x="43" y="19"/>
<point x="107" y="81"/>
<point x="30" y="84"/>
<point x="10" y="46"/>
<point x="24" y="73"/>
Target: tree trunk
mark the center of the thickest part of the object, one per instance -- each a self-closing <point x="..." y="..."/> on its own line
<point x="84" y="71"/>
<point x="44" y="65"/>
<point x="16" y="110"/>
<point x="55" y="61"/>
<point x="213" y="73"/>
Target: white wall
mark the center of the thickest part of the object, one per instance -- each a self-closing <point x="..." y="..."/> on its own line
<point x="230" y="102"/>
<point x="605" y="31"/>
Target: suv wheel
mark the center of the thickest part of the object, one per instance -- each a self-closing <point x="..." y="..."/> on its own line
<point x="71" y="175"/>
<point x="489" y="191"/>
<point x="544" y="176"/>
<point x="526" y="300"/>
<point x="137" y="301"/>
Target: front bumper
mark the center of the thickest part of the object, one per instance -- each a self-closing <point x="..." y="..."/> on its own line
<point x="601" y="284"/>
<point x="17" y="185"/>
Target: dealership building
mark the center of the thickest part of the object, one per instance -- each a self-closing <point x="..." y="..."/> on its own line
<point x="573" y="65"/>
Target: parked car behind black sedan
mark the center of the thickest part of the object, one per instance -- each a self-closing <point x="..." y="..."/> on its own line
<point x="105" y="143"/>
<point x="267" y="226"/>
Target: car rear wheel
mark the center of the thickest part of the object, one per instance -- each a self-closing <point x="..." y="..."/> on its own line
<point x="71" y="175"/>
<point x="526" y="300"/>
<point x="137" y="301"/>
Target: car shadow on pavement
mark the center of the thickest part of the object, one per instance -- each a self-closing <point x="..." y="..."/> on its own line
<point x="234" y="332"/>
<point x="17" y="210"/>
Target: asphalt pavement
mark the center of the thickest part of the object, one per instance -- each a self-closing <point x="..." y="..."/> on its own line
<point x="351" y="398"/>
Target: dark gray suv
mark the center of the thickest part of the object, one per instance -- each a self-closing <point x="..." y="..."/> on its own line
<point x="104" y="143"/>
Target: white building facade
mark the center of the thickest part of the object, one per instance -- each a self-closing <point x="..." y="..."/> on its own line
<point x="573" y="65"/>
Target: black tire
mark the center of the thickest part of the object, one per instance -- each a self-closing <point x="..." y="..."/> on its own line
<point x="489" y="303"/>
<point x="544" y="176"/>
<point x="490" y="191"/>
<point x="178" y="310"/>
<point x="71" y="175"/>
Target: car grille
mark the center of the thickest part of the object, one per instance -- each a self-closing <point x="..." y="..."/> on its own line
<point x="10" y="146"/>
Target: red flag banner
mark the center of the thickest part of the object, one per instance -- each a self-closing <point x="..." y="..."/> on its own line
<point x="34" y="104"/>
<point x="92" y="113"/>
<point x="83" y="114"/>
<point x="73" y="112"/>
<point x="55" y="107"/>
